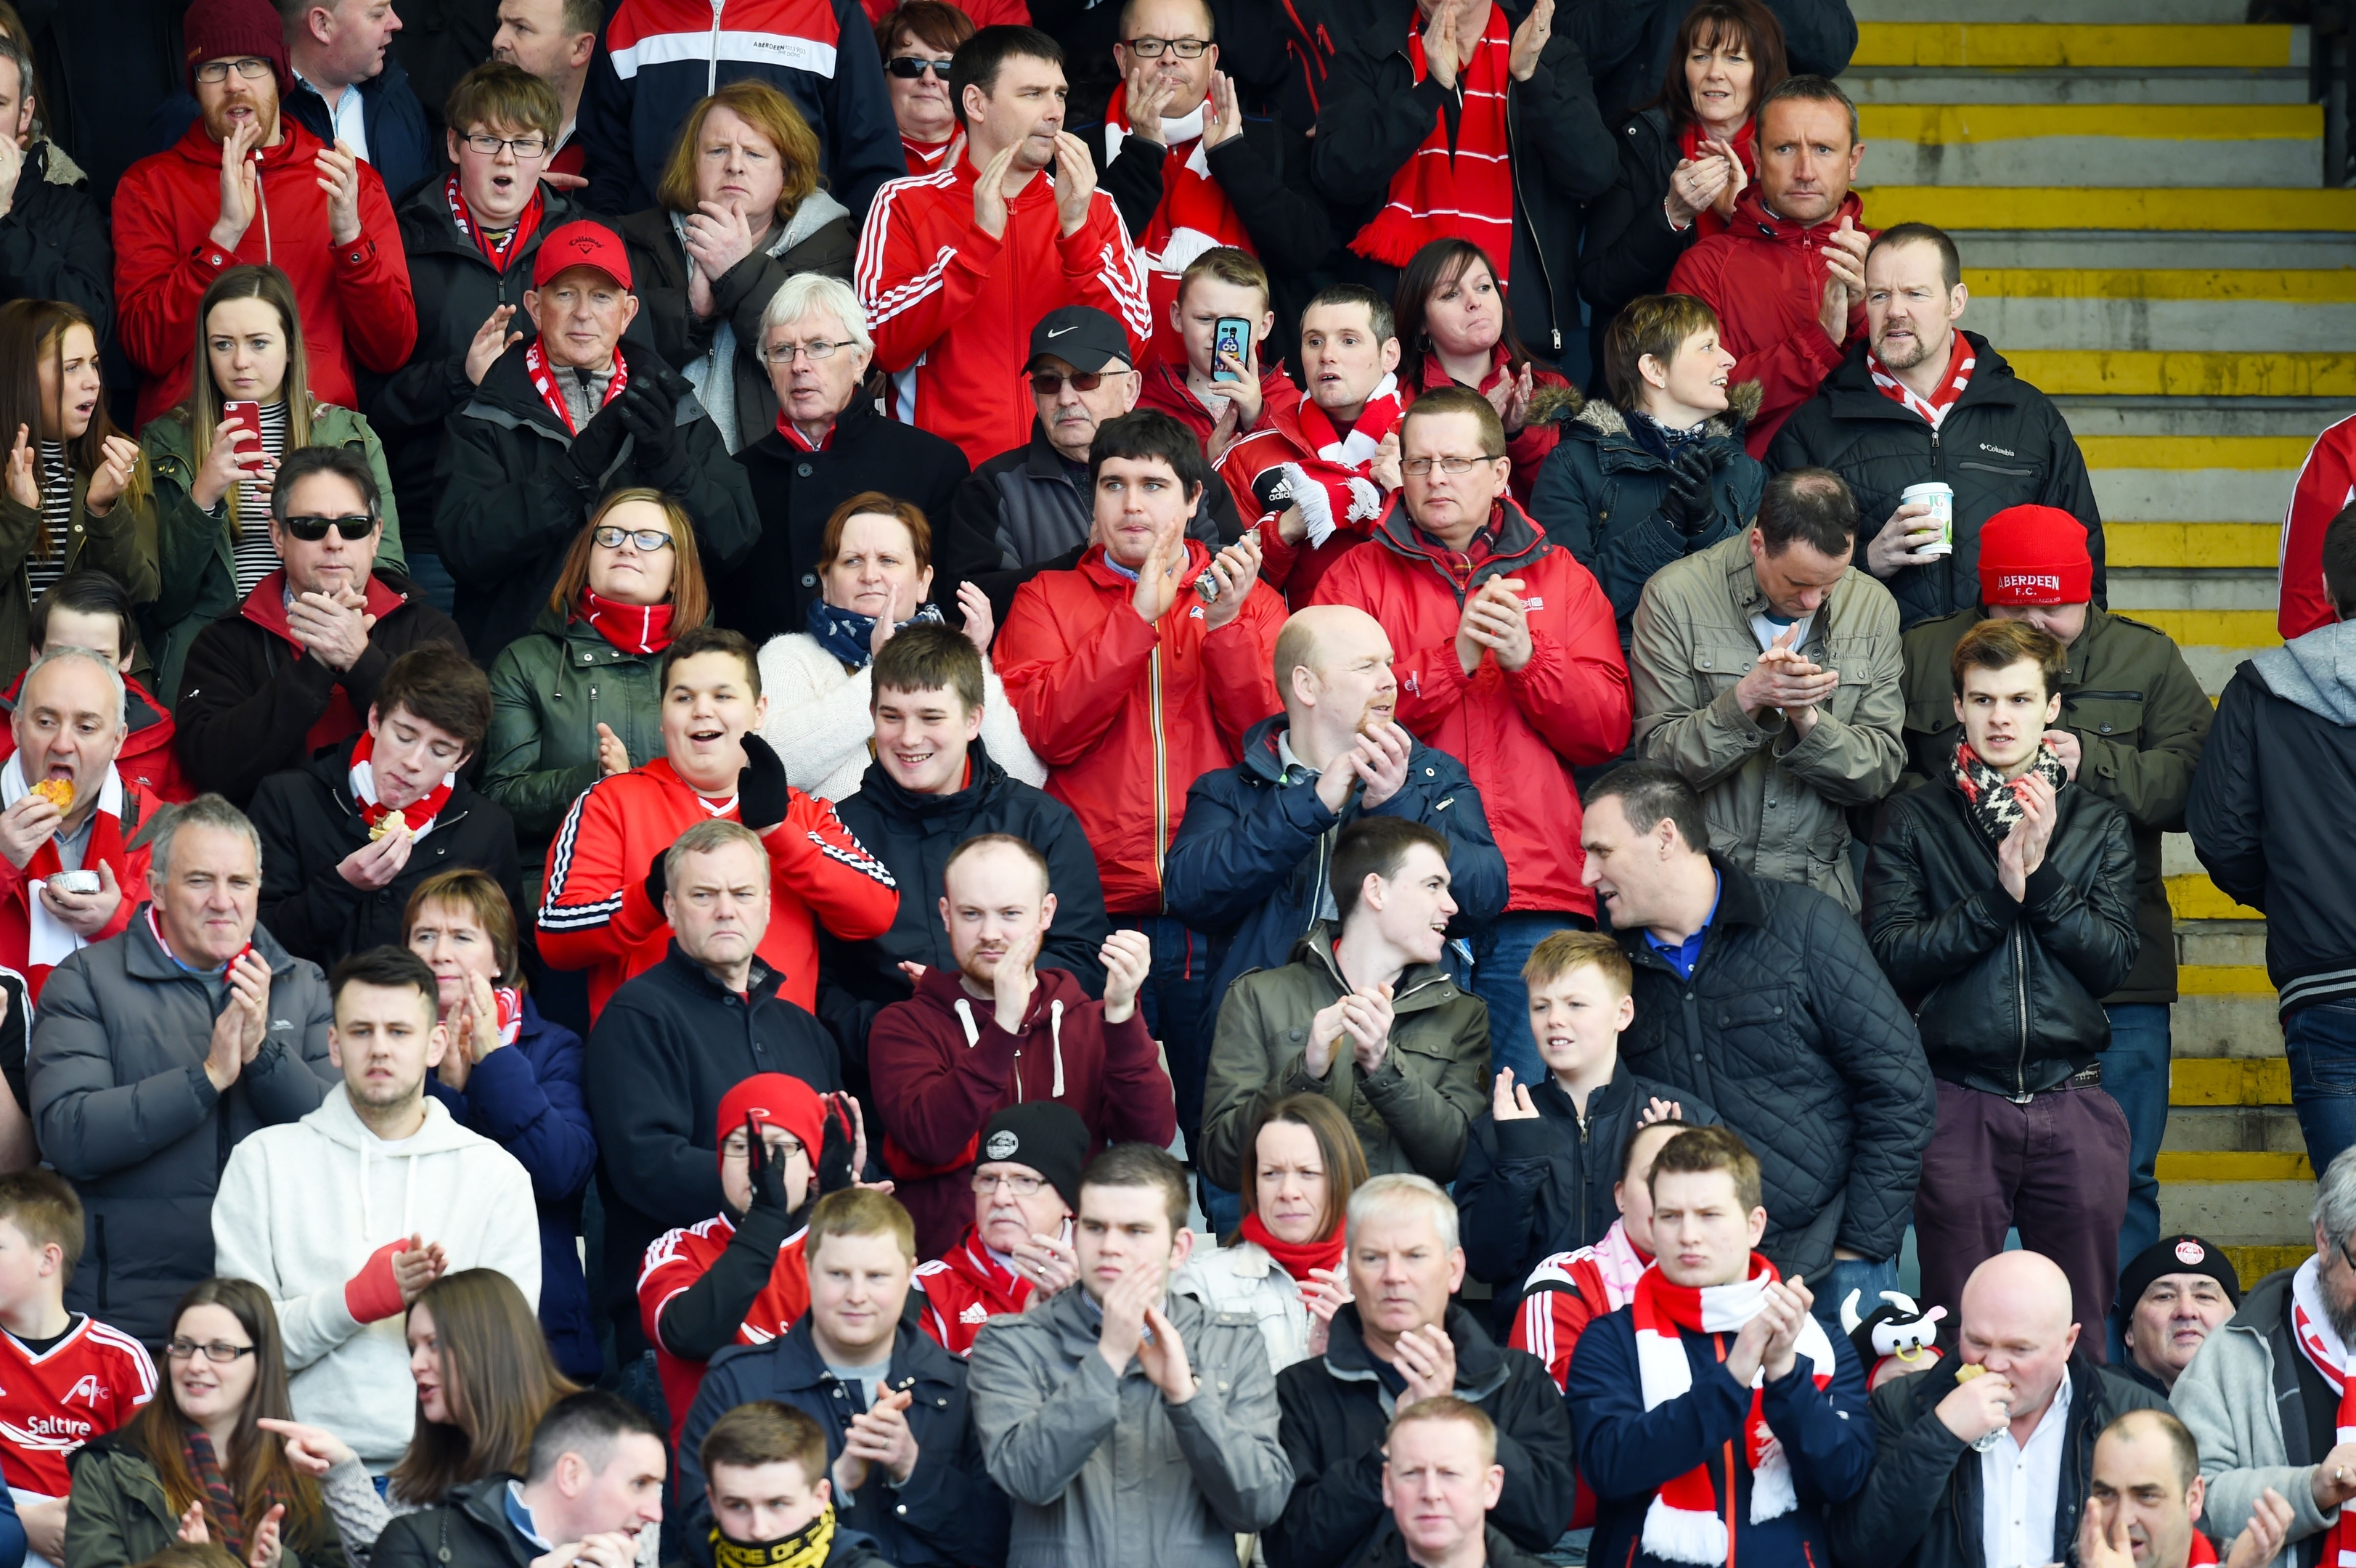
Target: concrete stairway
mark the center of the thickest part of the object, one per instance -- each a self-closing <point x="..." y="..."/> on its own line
<point x="2137" y="187"/>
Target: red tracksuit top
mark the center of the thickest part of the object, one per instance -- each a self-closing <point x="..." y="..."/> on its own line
<point x="595" y="913"/>
<point x="674" y="1262"/>
<point x="2327" y="482"/>
<point x="952" y="309"/>
<point x="964" y="1288"/>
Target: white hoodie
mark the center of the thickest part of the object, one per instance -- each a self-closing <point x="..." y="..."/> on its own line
<point x="303" y="1205"/>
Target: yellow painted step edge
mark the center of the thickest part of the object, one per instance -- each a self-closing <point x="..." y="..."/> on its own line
<point x="2231" y="1164"/>
<point x="2164" y="545"/>
<point x="2192" y="896"/>
<point x="2254" y="1264"/>
<point x="1985" y="45"/>
<point x="2295" y="286"/>
<point x="2224" y="980"/>
<point x="2166" y="373"/>
<point x="2178" y="451"/>
<point x="2229" y="1081"/>
<point x="2250" y="629"/>
<point x="1952" y="124"/>
<point x="2193" y="209"/>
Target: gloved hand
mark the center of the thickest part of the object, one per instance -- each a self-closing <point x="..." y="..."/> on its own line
<point x="599" y="442"/>
<point x="657" y="880"/>
<point x="651" y="415"/>
<point x="834" y="1172"/>
<point x="761" y="797"/>
<point x="1686" y="507"/>
<point x="767" y="1170"/>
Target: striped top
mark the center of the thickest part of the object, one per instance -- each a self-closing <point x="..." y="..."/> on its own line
<point x="44" y="567"/>
<point x="256" y="557"/>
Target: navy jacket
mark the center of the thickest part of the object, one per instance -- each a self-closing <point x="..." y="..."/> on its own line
<point x="1253" y="852"/>
<point x="1626" y="1452"/>
<point x="948" y="1513"/>
<point x="1531" y="1188"/>
<point x="528" y="1098"/>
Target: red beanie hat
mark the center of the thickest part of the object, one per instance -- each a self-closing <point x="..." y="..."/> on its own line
<point x="775" y="1099"/>
<point x="231" y="29"/>
<point x="2035" y="555"/>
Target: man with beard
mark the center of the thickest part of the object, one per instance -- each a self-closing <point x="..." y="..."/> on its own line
<point x="1918" y="400"/>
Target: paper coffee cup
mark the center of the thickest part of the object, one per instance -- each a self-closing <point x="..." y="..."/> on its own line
<point x="1942" y="497"/>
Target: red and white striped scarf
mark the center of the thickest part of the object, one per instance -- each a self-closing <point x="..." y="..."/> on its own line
<point x="49" y="940"/>
<point x="1942" y="397"/>
<point x="495" y="250"/>
<point x="419" y="812"/>
<point x="1333" y="489"/>
<point x="1684" y="1523"/>
<point x="543" y="381"/>
<point x="2311" y="1324"/>
<point x="1464" y="192"/>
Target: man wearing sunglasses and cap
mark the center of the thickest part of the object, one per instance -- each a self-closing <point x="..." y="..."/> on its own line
<point x="295" y="668"/>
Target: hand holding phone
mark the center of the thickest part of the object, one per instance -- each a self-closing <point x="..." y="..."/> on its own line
<point x="246" y="415"/>
<point x="1231" y="338"/>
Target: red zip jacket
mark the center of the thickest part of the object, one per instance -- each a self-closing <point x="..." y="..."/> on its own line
<point x="952" y="309"/>
<point x="942" y="1067"/>
<point x="1128" y="716"/>
<point x="148" y="758"/>
<point x="354" y="299"/>
<point x="963" y="1289"/>
<point x="2326" y="482"/>
<point x="1250" y="468"/>
<point x="1764" y="276"/>
<point x="1517" y="733"/>
<point x="595" y="913"/>
<point x="1164" y="388"/>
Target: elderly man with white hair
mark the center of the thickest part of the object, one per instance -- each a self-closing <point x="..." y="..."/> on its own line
<point x="830" y="444"/>
<point x="1400" y="1341"/>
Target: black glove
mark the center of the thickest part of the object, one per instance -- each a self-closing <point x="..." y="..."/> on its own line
<point x="1686" y="507"/>
<point x="834" y="1172"/>
<point x="767" y="1170"/>
<point x="761" y="796"/>
<point x="651" y="416"/>
<point x="599" y="442"/>
<point x="657" y="882"/>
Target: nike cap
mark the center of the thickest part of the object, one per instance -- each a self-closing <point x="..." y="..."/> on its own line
<point x="1082" y="336"/>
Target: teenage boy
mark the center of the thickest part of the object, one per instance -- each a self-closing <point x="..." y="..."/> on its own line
<point x="1018" y="1250"/>
<point x="1537" y="1174"/>
<point x="1711" y="1406"/>
<point x="65" y="1377"/>
<point x="904" y="1465"/>
<point x="1570" y="1290"/>
<point x="1220" y="395"/>
<point x="766" y="1497"/>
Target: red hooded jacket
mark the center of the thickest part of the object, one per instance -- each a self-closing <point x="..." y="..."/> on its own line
<point x="1764" y="277"/>
<point x="1518" y="733"/>
<point x="1127" y="715"/>
<point x="148" y="758"/>
<point x="139" y="808"/>
<point x="2326" y="482"/>
<point x="1165" y="389"/>
<point x="354" y="299"/>
<point x="1530" y="446"/>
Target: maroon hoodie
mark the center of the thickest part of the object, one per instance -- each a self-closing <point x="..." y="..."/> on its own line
<point x="941" y="1068"/>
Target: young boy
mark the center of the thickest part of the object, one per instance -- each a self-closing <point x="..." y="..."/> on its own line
<point x="64" y="1378"/>
<point x="1218" y="284"/>
<point x="772" y="1505"/>
<point x="1537" y="1174"/>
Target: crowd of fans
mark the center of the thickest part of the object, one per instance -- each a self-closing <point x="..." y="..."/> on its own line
<point x="756" y="689"/>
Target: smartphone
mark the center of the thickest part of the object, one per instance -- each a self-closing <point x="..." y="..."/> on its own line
<point x="247" y="415"/>
<point x="1230" y="334"/>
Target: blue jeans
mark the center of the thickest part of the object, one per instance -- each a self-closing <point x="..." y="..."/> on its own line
<point x="2320" y="1042"/>
<point x="1868" y="1278"/>
<point x="1498" y="955"/>
<point x="1179" y="1008"/>
<point x="432" y="580"/>
<point x="2135" y="1073"/>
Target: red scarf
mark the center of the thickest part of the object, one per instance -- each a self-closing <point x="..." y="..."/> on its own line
<point x="1684" y="1523"/>
<point x="2310" y="1325"/>
<point x="1707" y="222"/>
<point x="633" y="628"/>
<point x="1466" y="192"/>
<point x="793" y="433"/>
<point x="543" y="381"/>
<point x="1193" y="216"/>
<point x="419" y="812"/>
<point x="2202" y="1551"/>
<point x="926" y="157"/>
<point x="155" y="930"/>
<point x="1333" y="488"/>
<point x="48" y="941"/>
<point x="1942" y="397"/>
<point x="496" y="251"/>
<point x="1296" y="1258"/>
<point x="510" y="1002"/>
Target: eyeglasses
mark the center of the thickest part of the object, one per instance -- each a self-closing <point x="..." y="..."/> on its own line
<point x="1019" y="1186"/>
<point x="784" y="1149"/>
<point x="1419" y="466"/>
<point x="646" y="540"/>
<point x="219" y="1350"/>
<point x="524" y="148"/>
<point x="908" y="67"/>
<point x="817" y="348"/>
<point x="1047" y="383"/>
<point x="1151" y="49"/>
<point x="253" y="67"/>
<point x="311" y="531"/>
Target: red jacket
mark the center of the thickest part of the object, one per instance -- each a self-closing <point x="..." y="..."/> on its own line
<point x="595" y="913"/>
<point x="354" y="299"/>
<point x="1764" y="277"/>
<point x="1518" y="733"/>
<point x="1164" y="388"/>
<point x="2326" y="482"/>
<point x="139" y="808"/>
<point x="942" y="1067"/>
<point x="1537" y="436"/>
<point x="674" y="1262"/>
<point x="1127" y="715"/>
<point x="148" y="758"/>
<point x="1249" y="469"/>
<point x="952" y="309"/>
<point x="964" y="1288"/>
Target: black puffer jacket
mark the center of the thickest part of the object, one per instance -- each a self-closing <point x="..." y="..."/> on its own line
<point x="2004" y="444"/>
<point x="2006" y="992"/>
<point x="54" y="243"/>
<point x="1788" y="1028"/>
<point x="1631" y="249"/>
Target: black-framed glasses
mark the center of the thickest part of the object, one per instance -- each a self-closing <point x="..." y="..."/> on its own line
<point x="1419" y="466"/>
<point x="736" y="1148"/>
<point x="1048" y="383"/>
<point x="908" y="67"/>
<point x="253" y="68"/>
<point x="219" y="1350"/>
<point x="647" y="539"/>
<point x="488" y="146"/>
<point x="817" y="348"/>
<point x="311" y="531"/>
<point x="1020" y="1186"/>
<point x="1151" y="49"/>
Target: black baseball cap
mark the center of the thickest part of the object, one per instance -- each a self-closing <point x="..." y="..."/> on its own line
<point x="1082" y="336"/>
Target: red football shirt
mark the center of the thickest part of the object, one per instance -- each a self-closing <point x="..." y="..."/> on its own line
<point x="675" y="1261"/>
<point x="84" y="1386"/>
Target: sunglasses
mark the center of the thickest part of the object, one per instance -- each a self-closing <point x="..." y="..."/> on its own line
<point x="908" y="67"/>
<point x="1047" y="383"/>
<point x="311" y="531"/>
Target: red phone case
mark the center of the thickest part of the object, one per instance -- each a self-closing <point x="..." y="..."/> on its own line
<point x="248" y="416"/>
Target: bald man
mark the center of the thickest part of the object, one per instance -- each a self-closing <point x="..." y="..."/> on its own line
<point x="2146" y="1495"/>
<point x="2037" y="1397"/>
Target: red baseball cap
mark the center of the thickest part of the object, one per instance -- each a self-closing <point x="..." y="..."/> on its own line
<point x="2035" y="555"/>
<point x="776" y="1100"/>
<point x="581" y="243"/>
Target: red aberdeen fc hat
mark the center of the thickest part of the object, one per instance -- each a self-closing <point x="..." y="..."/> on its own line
<point x="2031" y="555"/>
<point x="581" y="243"/>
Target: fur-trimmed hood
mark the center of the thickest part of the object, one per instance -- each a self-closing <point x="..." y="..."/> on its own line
<point x="1606" y="418"/>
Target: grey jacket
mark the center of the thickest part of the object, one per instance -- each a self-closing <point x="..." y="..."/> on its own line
<point x="1102" y="1469"/>
<point x="2232" y="1399"/>
<point x="123" y="1110"/>
<point x="1777" y="804"/>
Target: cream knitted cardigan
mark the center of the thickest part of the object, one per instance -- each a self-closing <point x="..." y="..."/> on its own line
<point x="821" y="721"/>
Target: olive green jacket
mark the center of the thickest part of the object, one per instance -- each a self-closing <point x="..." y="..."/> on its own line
<point x="550" y="690"/>
<point x="122" y="542"/>
<point x="196" y="549"/>
<point x="119" y="1517"/>
<point x="2141" y="719"/>
<point x="1413" y="1113"/>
